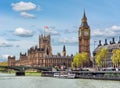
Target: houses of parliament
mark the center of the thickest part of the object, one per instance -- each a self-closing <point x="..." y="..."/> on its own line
<point x="43" y="56"/>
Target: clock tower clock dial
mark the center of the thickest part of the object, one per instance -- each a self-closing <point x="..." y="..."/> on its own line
<point x="86" y="33"/>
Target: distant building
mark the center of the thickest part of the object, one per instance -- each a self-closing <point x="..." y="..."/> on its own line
<point x="112" y="45"/>
<point x="41" y="56"/>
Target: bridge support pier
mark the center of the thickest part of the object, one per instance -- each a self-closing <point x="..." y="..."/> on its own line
<point x="20" y="73"/>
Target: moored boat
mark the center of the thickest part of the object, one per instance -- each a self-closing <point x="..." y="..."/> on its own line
<point x="68" y="75"/>
<point x="71" y="75"/>
<point x="56" y="74"/>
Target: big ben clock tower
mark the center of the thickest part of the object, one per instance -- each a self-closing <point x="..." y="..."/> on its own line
<point x="84" y="36"/>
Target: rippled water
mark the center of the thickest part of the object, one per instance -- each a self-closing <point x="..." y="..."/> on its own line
<point x="11" y="81"/>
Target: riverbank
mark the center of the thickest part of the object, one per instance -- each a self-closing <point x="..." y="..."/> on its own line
<point x="26" y="73"/>
<point x="32" y="74"/>
<point x="98" y="75"/>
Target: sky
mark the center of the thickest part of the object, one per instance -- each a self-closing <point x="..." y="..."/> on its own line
<point x="22" y="21"/>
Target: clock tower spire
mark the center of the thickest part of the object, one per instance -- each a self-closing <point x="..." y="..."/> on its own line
<point x="84" y="36"/>
<point x="84" y="21"/>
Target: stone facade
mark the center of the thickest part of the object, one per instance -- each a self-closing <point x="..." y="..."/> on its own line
<point x="110" y="47"/>
<point x="41" y="56"/>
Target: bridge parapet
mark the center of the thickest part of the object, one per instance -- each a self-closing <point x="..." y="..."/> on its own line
<point x="24" y="68"/>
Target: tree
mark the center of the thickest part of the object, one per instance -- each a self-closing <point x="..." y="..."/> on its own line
<point x="3" y="63"/>
<point x="80" y="59"/>
<point x="116" y="57"/>
<point x="101" y="57"/>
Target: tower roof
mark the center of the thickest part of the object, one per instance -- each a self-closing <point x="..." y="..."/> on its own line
<point x="84" y="20"/>
<point x="84" y="16"/>
<point x="64" y="49"/>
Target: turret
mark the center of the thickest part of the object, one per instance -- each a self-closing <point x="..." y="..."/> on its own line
<point x="23" y="54"/>
<point x="45" y="44"/>
<point x="36" y="47"/>
<point x="11" y="60"/>
<point x="29" y="52"/>
<point x="64" y="51"/>
<point x="49" y="37"/>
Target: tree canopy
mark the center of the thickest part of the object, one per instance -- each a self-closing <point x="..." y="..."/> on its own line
<point x="80" y="59"/>
<point x="116" y="57"/>
<point x="3" y="63"/>
<point x="101" y="57"/>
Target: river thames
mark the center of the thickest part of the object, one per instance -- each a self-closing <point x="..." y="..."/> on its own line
<point x="12" y="81"/>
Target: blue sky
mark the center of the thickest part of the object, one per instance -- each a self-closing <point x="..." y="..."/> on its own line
<point x="21" y="22"/>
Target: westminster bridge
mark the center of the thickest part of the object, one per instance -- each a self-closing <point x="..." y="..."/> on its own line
<point x="24" y="68"/>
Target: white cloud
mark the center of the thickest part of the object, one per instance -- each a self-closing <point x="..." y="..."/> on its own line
<point x="115" y="28"/>
<point x="66" y="40"/>
<point x="51" y="31"/>
<point x="111" y="31"/>
<point x="73" y="29"/>
<point x="4" y="57"/>
<point x="23" y="32"/>
<point x="4" y="43"/>
<point x="27" y="15"/>
<point x="23" y="6"/>
<point x="97" y="32"/>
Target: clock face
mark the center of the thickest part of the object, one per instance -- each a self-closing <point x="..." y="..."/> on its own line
<point x="86" y="33"/>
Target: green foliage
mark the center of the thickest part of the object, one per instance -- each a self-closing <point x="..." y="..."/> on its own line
<point x="101" y="57"/>
<point x="32" y="73"/>
<point x="116" y="57"/>
<point x="3" y="63"/>
<point x="80" y="59"/>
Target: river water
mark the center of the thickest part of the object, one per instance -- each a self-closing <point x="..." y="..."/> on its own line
<point x="12" y="81"/>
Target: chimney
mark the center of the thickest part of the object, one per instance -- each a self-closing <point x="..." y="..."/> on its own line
<point x="119" y="40"/>
<point x="99" y="43"/>
<point x="113" y="40"/>
<point x="106" y="42"/>
<point x="110" y="42"/>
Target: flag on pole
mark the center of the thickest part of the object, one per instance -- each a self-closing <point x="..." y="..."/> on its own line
<point x="46" y="27"/>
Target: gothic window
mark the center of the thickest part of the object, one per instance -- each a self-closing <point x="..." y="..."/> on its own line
<point x="47" y="51"/>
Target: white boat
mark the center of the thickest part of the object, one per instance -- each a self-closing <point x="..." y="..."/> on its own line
<point x="64" y="75"/>
<point x="71" y="75"/>
<point x="56" y="75"/>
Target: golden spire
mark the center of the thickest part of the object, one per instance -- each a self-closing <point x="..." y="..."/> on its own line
<point x="84" y="19"/>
